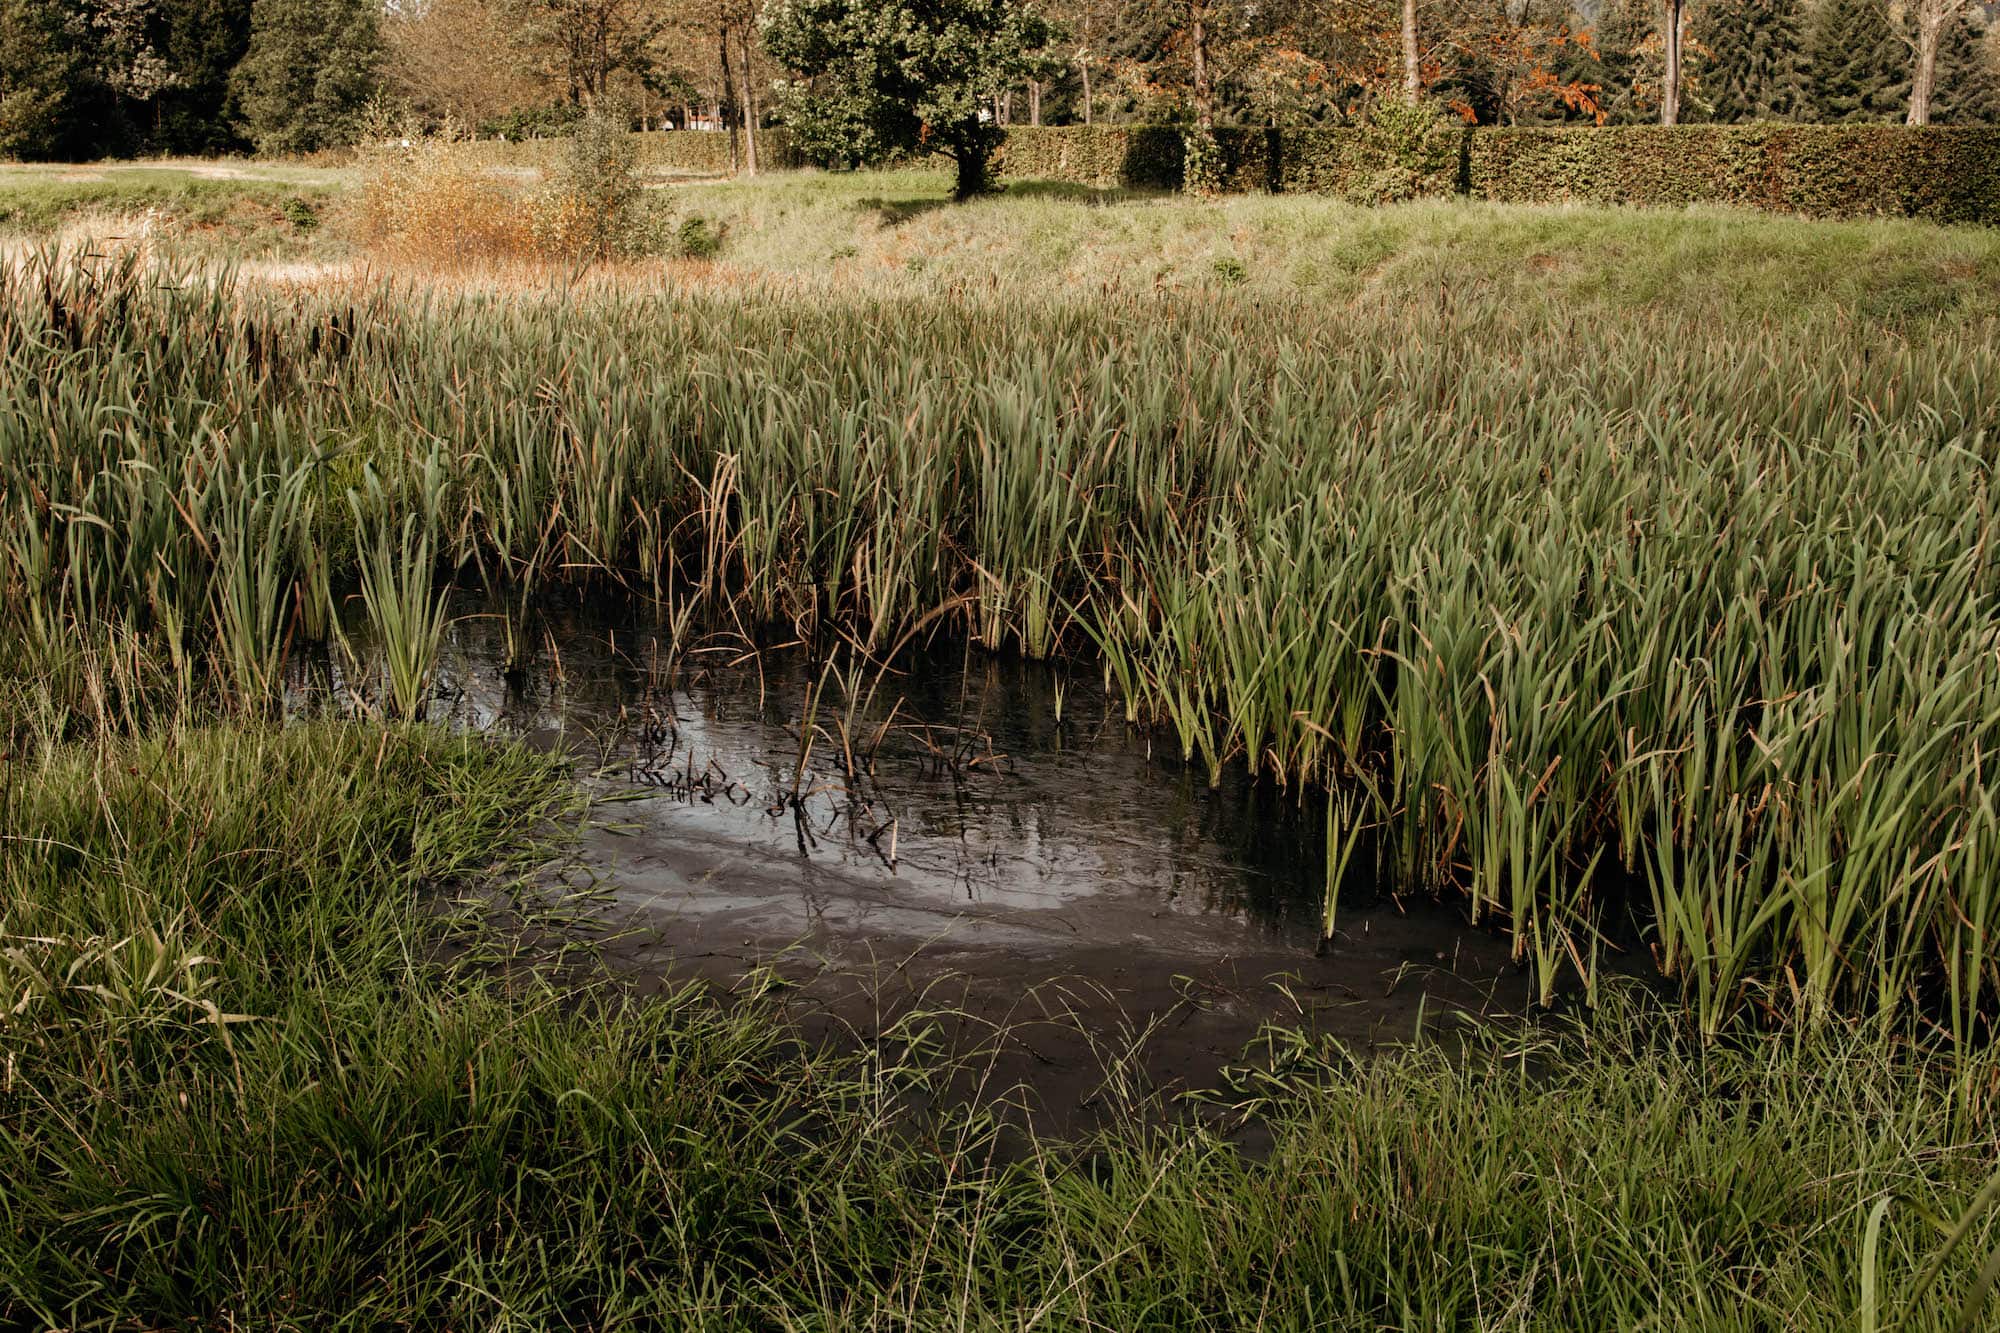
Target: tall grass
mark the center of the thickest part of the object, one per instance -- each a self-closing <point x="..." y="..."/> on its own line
<point x="1701" y="617"/>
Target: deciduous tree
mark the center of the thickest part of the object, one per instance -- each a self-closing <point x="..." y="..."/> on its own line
<point x="203" y="42"/>
<point x="461" y="59"/>
<point x="583" y="44"/>
<point x="901" y="75"/>
<point x="1924" y="28"/>
<point x="310" y="71"/>
<point x="42" y="69"/>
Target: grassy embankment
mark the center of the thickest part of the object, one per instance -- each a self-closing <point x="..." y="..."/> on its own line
<point x="220" y="208"/>
<point x="891" y="232"/>
<point x="1542" y="579"/>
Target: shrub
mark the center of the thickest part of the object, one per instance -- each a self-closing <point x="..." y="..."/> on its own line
<point x="699" y="239"/>
<point x="1409" y="150"/>
<point x="301" y="212"/>
<point x="587" y="209"/>
<point x="426" y="202"/>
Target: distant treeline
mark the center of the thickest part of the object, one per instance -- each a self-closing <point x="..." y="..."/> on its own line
<point x="90" y="78"/>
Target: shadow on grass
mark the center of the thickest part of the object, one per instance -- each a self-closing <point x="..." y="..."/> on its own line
<point x="895" y="212"/>
<point x="1071" y="192"/>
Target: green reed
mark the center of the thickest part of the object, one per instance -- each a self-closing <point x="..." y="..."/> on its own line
<point x="1702" y="617"/>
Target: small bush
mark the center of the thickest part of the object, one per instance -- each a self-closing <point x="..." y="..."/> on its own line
<point x="425" y="202"/>
<point x="698" y="238"/>
<point x="1409" y="150"/>
<point x="301" y="212"/>
<point x="588" y="209"/>
<point x="1230" y="271"/>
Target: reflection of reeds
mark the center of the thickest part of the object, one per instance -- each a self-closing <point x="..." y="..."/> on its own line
<point x="1712" y="615"/>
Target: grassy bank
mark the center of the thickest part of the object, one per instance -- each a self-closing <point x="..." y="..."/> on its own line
<point x="224" y="209"/>
<point x="893" y="232"/>
<point x="243" y="1090"/>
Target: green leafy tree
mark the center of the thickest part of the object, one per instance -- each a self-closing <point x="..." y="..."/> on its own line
<point x="901" y="76"/>
<point x="1755" y="68"/>
<point x="203" y="41"/>
<point x="1859" y="67"/>
<point x="311" y="68"/>
<point x="43" y="66"/>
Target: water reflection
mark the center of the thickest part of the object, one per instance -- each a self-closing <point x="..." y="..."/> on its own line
<point x="960" y="779"/>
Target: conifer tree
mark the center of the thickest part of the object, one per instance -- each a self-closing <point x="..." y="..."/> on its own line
<point x="1755" y="68"/>
<point x="1859" y="67"/>
<point x="1968" y="84"/>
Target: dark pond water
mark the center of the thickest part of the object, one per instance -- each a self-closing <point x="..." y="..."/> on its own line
<point x="967" y="829"/>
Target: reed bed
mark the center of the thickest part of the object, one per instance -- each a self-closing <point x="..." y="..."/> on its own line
<point x="1698" y="617"/>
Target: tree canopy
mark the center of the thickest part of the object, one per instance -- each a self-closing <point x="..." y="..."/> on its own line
<point x="906" y="76"/>
<point x="864" y="82"/>
<point x="310" y="71"/>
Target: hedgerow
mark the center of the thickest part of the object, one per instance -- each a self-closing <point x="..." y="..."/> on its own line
<point x="1941" y="173"/>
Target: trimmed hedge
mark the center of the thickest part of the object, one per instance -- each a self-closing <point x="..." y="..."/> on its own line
<point x="1149" y="157"/>
<point x="1101" y="156"/>
<point x="703" y="151"/>
<point x="1940" y="173"/>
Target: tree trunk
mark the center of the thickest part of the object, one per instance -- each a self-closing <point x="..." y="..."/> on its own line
<point x="749" y="110"/>
<point x="1034" y="102"/>
<point x="973" y="165"/>
<point x="1083" y="63"/>
<point x="1930" y="16"/>
<point x="1204" y="93"/>
<point x="1670" y="87"/>
<point x="1413" y="80"/>
<point x="729" y="105"/>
